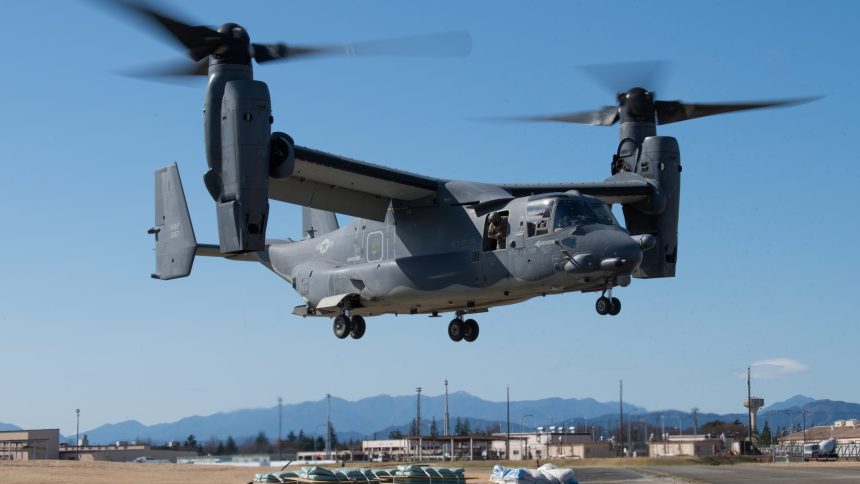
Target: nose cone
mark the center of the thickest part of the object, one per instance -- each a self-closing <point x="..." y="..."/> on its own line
<point x="612" y="251"/>
<point x="621" y="254"/>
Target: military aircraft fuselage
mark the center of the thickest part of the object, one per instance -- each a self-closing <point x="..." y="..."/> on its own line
<point x="436" y="256"/>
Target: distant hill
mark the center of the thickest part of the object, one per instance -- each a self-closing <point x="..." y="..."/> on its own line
<point x="795" y="401"/>
<point x="6" y="426"/>
<point x="381" y="414"/>
<point x="357" y="419"/>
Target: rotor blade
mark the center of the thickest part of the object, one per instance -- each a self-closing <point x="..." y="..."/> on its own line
<point x="674" y="111"/>
<point x="172" y="69"/>
<point x="448" y="44"/>
<point x="606" y="116"/>
<point x="200" y="41"/>
<point x="621" y="76"/>
<point x="270" y="52"/>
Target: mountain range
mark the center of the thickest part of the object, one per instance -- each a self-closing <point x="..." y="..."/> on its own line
<point x="379" y="415"/>
<point x="6" y="427"/>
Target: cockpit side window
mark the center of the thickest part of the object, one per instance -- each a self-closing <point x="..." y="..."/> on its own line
<point x="538" y="214"/>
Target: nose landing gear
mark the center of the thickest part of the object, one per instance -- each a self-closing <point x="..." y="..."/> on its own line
<point x="606" y="304"/>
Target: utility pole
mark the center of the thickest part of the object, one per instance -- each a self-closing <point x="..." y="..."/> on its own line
<point x="78" y="434"/>
<point x="445" y="430"/>
<point x="508" y="439"/>
<point x="418" y="421"/>
<point x="803" y="411"/>
<point x="280" y="425"/>
<point x="621" y="413"/>
<point x="749" y="407"/>
<point x="418" y="413"/>
<point x="328" y="429"/>
<point x="695" y="412"/>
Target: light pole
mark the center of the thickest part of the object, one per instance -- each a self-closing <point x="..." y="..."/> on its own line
<point x="803" y="411"/>
<point x="77" y="434"/>
<point x="418" y="411"/>
<point x="446" y="409"/>
<point x="508" y="428"/>
<point x="328" y="429"/>
<point x="621" y="413"/>
<point x="280" y="423"/>
<point x="418" y="420"/>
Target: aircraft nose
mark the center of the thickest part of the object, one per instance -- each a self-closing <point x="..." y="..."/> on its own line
<point x="622" y="255"/>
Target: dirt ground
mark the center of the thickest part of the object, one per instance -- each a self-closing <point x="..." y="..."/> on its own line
<point x="72" y="472"/>
<point x="592" y="470"/>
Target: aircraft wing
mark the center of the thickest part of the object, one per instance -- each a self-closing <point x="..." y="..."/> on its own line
<point x="618" y="189"/>
<point x="338" y="184"/>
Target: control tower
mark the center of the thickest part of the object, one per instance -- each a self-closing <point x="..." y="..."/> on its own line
<point x="754" y="404"/>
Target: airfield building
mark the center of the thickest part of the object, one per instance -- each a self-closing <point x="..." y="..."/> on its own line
<point x="522" y="446"/>
<point x="685" y="445"/>
<point x="845" y="432"/>
<point x="29" y="444"/>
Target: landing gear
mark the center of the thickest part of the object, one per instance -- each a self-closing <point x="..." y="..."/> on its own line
<point x="471" y="330"/>
<point x="342" y="326"/>
<point x="603" y="305"/>
<point x="358" y="327"/>
<point x="456" y="328"/>
<point x="463" y="330"/>
<point x="606" y="304"/>
<point x="616" y="307"/>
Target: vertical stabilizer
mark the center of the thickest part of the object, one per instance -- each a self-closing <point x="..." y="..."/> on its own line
<point x="317" y="222"/>
<point x="175" y="244"/>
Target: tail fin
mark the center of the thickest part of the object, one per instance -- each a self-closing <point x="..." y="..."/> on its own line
<point x="175" y="244"/>
<point x="317" y="222"/>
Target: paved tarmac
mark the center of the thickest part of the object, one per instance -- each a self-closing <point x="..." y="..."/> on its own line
<point x="787" y="474"/>
<point x="616" y="474"/>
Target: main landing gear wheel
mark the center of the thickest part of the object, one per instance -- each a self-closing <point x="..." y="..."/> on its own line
<point x="341" y="326"/>
<point x="604" y="305"/>
<point x="358" y="327"/>
<point x="456" y="329"/>
<point x="615" y="306"/>
<point x="471" y="330"/>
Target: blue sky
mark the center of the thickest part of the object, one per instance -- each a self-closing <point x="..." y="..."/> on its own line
<point x="766" y="263"/>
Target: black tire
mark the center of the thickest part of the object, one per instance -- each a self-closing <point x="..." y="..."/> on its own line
<point x="341" y="326"/>
<point x="615" y="307"/>
<point x="456" y="328"/>
<point x="603" y="305"/>
<point x="470" y="332"/>
<point x="358" y="327"/>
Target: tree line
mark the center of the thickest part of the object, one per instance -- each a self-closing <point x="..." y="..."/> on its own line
<point x="261" y="444"/>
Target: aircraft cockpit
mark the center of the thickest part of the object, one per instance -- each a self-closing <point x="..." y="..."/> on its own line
<point x="551" y="214"/>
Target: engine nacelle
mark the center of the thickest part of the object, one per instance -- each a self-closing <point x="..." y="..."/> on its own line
<point x="660" y="161"/>
<point x="243" y="201"/>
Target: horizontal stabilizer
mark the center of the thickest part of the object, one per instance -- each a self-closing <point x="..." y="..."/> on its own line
<point x="175" y="244"/>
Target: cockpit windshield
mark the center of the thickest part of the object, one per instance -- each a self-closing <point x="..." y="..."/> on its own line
<point x="571" y="212"/>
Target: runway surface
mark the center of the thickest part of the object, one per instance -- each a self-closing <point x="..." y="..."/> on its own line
<point x="788" y="474"/>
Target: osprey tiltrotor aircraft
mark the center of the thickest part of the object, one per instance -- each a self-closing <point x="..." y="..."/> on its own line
<point x="418" y="245"/>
